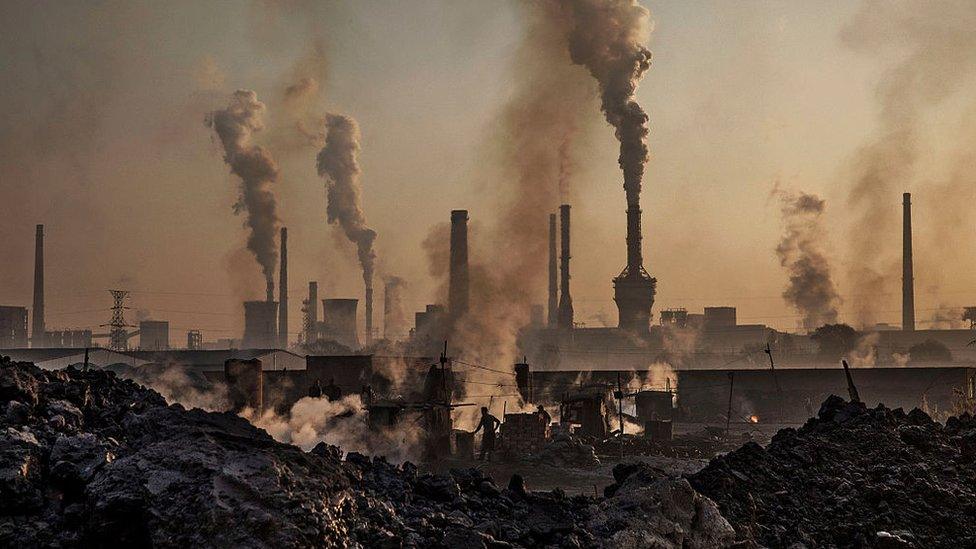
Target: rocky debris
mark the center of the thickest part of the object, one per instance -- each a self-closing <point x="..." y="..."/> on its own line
<point x="91" y="460"/>
<point x="852" y="477"/>
<point x="565" y="450"/>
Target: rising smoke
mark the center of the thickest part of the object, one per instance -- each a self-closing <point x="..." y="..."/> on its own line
<point x="935" y="45"/>
<point x="811" y="291"/>
<point x="607" y="37"/>
<point x="235" y="126"/>
<point x="338" y="162"/>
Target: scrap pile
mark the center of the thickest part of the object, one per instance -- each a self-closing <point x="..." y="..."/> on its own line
<point x="90" y="460"/>
<point x="852" y="477"/>
<point x="565" y="450"/>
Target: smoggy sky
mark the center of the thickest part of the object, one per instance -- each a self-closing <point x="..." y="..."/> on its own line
<point x="102" y="139"/>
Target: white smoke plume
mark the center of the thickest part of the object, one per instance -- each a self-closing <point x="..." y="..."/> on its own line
<point x="607" y="37"/>
<point x="341" y="423"/>
<point x="235" y="126"/>
<point x="338" y="163"/>
<point x="811" y="291"/>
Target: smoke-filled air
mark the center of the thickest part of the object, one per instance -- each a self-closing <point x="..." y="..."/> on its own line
<point x="801" y="252"/>
<point x="235" y="126"/>
<point x="193" y="353"/>
<point x="338" y="163"/>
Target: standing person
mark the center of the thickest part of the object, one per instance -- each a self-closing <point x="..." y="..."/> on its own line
<point x="544" y="415"/>
<point x="315" y="391"/>
<point x="332" y="391"/>
<point x="489" y="423"/>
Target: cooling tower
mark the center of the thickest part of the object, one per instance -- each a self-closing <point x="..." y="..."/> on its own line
<point x="339" y="316"/>
<point x="260" y="325"/>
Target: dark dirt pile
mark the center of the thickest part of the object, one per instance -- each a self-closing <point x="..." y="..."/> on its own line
<point x="91" y="460"/>
<point x="852" y="477"/>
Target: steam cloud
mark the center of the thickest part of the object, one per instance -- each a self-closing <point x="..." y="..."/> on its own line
<point x="607" y="38"/>
<point x="235" y="126"/>
<point x="811" y="289"/>
<point x="338" y="163"/>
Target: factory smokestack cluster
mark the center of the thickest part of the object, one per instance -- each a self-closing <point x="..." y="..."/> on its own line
<point x="565" y="299"/>
<point x="907" y="268"/>
<point x="459" y="283"/>
<point x="37" y="324"/>
<point x="283" y="292"/>
<point x="553" y="274"/>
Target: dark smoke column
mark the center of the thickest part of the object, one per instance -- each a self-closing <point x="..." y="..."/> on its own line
<point x="37" y="323"/>
<point x="907" y="269"/>
<point x="235" y="126"/>
<point x="458" y="286"/>
<point x="338" y="162"/>
<point x="606" y="37"/>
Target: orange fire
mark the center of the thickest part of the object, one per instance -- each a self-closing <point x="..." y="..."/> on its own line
<point x="753" y="419"/>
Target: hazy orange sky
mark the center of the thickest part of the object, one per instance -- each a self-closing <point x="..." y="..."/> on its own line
<point x="102" y="139"/>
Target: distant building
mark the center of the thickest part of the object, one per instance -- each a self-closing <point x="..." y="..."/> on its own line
<point x="153" y="335"/>
<point x="13" y="327"/>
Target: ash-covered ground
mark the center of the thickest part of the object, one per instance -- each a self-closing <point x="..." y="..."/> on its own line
<point x="88" y="459"/>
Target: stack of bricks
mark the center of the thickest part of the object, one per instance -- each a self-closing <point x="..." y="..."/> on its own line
<point x="523" y="434"/>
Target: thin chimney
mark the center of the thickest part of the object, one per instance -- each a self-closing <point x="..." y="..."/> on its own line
<point x="311" y="313"/>
<point x="369" y="314"/>
<point x="907" y="272"/>
<point x="553" y="274"/>
<point x="283" y="292"/>
<point x="458" y="286"/>
<point x="37" y="327"/>
<point x="565" y="299"/>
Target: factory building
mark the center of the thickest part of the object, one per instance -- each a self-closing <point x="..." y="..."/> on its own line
<point x="13" y="327"/>
<point x="339" y="321"/>
<point x="154" y="335"/>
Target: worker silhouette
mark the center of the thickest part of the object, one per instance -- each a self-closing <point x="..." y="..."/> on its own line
<point x="544" y="415"/>
<point x="489" y="423"/>
<point x="332" y="391"/>
<point x="315" y="390"/>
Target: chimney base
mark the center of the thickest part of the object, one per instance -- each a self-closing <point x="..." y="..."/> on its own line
<point x="634" y="294"/>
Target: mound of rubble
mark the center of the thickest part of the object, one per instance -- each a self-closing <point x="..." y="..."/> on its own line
<point x="852" y="477"/>
<point x="565" y="450"/>
<point x="91" y="460"/>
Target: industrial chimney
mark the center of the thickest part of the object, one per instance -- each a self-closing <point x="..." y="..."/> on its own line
<point x="37" y="326"/>
<point x="907" y="270"/>
<point x="457" y="295"/>
<point x="311" y="313"/>
<point x="369" y="314"/>
<point x="633" y="288"/>
<point x="283" y="292"/>
<point x="553" y="284"/>
<point x="565" y="299"/>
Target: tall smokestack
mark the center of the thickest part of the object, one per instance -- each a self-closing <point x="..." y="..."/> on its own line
<point x="457" y="296"/>
<point x="907" y="270"/>
<point x="311" y="313"/>
<point x="553" y="283"/>
<point x="37" y="326"/>
<point x="283" y="291"/>
<point x="369" y="314"/>
<point x="565" y="299"/>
